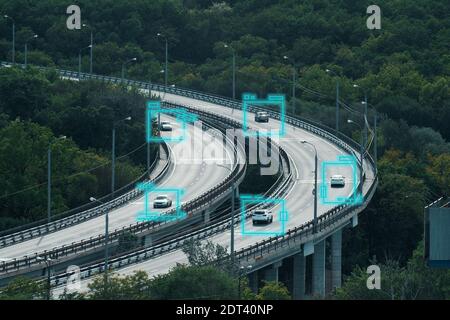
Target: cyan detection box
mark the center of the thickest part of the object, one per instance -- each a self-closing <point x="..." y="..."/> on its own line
<point x="149" y="215"/>
<point x="273" y="100"/>
<point x="342" y="161"/>
<point x="282" y="214"/>
<point x="154" y="110"/>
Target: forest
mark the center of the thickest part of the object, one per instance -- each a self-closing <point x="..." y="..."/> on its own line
<point x="403" y="70"/>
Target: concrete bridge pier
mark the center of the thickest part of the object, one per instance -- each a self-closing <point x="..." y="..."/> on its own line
<point x="299" y="276"/>
<point x="253" y="281"/>
<point x="336" y="259"/>
<point x="318" y="277"/>
<point x="206" y="216"/>
<point x="271" y="273"/>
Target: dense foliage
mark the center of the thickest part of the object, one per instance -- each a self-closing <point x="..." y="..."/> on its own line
<point x="36" y="109"/>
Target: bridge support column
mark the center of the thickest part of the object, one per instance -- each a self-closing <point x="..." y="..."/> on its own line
<point x="318" y="278"/>
<point x="271" y="273"/>
<point x="148" y="241"/>
<point x="253" y="281"/>
<point x="355" y="220"/>
<point x="206" y="216"/>
<point x="336" y="259"/>
<point x="298" y="292"/>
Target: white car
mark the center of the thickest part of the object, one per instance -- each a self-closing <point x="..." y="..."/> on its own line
<point x="262" y="116"/>
<point x="262" y="216"/>
<point x="337" y="180"/>
<point x="165" y="126"/>
<point x="162" y="201"/>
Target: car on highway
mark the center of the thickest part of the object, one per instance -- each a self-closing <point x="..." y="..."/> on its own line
<point x="165" y="126"/>
<point x="337" y="180"/>
<point x="262" y="216"/>
<point x="162" y="201"/>
<point x="262" y="116"/>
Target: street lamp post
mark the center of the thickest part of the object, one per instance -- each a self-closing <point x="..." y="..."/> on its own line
<point x="91" y="54"/>
<point x="79" y="60"/>
<point x="234" y="69"/>
<point x="315" y="184"/>
<point x="232" y="216"/>
<point x="375" y="145"/>
<point x="166" y="57"/>
<point x="49" y="179"/>
<point x="92" y="199"/>
<point x="241" y="274"/>
<point x="26" y="48"/>
<point x="13" y="37"/>
<point x="337" y="97"/>
<point x="294" y="80"/>
<point x="365" y="110"/>
<point x="124" y="65"/>
<point x="361" y="155"/>
<point x="113" y="156"/>
<point x="49" y="284"/>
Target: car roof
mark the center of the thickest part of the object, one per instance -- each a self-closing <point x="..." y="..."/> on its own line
<point x="162" y="196"/>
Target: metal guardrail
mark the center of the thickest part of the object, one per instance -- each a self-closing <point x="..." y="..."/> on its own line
<point x="84" y="215"/>
<point x="192" y="206"/>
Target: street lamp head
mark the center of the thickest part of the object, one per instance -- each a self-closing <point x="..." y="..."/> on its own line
<point x="128" y="118"/>
<point x="35" y="36"/>
<point x="225" y="46"/>
<point x="92" y="199"/>
<point x="350" y="121"/>
<point x="62" y="137"/>
<point x="327" y="70"/>
<point x="302" y="141"/>
<point x="5" y="16"/>
<point x="285" y="57"/>
<point x="162" y="71"/>
<point x="134" y="59"/>
<point x="355" y="86"/>
<point x="363" y="102"/>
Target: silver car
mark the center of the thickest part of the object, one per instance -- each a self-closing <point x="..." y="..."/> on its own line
<point x="165" y="126"/>
<point x="262" y="216"/>
<point x="262" y="116"/>
<point x="162" y="201"/>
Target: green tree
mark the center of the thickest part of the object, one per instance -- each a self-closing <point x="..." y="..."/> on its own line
<point x="201" y="254"/>
<point x="273" y="291"/>
<point x="130" y="287"/>
<point x="23" y="288"/>
<point x="194" y="282"/>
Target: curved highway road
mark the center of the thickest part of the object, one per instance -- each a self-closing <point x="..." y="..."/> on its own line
<point x="299" y="200"/>
<point x="193" y="178"/>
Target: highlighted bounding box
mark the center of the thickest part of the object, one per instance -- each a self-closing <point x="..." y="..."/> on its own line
<point x="147" y="214"/>
<point x="277" y="100"/>
<point x="180" y="114"/>
<point x="354" y="198"/>
<point x="282" y="214"/>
